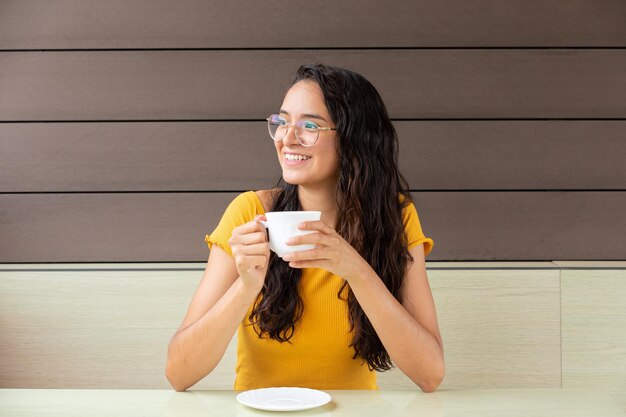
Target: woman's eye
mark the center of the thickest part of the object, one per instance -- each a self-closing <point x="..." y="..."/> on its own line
<point x="309" y="125"/>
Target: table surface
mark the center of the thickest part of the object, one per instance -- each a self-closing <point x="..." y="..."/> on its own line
<point x="448" y="403"/>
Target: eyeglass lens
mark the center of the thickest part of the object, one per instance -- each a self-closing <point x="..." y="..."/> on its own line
<point x="306" y="131"/>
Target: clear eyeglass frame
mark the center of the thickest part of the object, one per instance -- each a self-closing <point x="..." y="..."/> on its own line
<point x="307" y="132"/>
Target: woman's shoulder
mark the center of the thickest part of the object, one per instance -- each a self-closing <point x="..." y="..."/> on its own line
<point x="406" y="204"/>
<point x="253" y="202"/>
<point x="267" y="197"/>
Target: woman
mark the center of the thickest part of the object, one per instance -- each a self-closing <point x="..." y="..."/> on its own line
<point x="326" y="318"/>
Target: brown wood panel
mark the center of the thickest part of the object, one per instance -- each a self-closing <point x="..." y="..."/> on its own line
<point x="198" y="156"/>
<point x="164" y="227"/>
<point x="513" y="155"/>
<point x="65" y="24"/>
<point x="194" y="156"/>
<point x="150" y="85"/>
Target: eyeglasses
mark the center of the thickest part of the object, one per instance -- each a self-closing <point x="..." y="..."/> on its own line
<point x="307" y="132"/>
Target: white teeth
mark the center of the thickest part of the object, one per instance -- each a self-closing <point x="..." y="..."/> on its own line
<point x="296" y="157"/>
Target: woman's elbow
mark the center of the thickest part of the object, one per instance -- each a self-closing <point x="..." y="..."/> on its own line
<point x="429" y="387"/>
<point x="177" y="385"/>
<point x="433" y="381"/>
<point x="178" y="388"/>
<point x="170" y="374"/>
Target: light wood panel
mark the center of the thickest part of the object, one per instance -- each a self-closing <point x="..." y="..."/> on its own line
<point x="170" y="227"/>
<point x="94" y="329"/>
<point x="434" y="155"/>
<point x="46" y="24"/>
<point x="499" y="328"/>
<point x="225" y="85"/>
<point x="594" y="330"/>
<point x="110" y="329"/>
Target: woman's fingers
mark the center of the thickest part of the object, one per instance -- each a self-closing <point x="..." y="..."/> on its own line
<point x="317" y="225"/>
<point x="310" y="254"/>
<point x="252" y="256"/>
<point x="320" y="239"/>
<point x="251" y="251"/>
<point x="252" y="226"/>
<point x="249" y="233"/>
<point x="249" y="238"/>
<point x="255" y="249"/>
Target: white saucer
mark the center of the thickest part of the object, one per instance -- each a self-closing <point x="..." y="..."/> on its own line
<point x="283" y="399"/>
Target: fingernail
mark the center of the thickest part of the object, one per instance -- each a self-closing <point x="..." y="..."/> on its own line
<point x="286" y="257"/>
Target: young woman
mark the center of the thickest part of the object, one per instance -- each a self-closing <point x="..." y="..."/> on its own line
<point x="330" y="317"/>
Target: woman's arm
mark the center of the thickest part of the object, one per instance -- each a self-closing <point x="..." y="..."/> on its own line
<point x="217" y="308"/>
<point x="228" y="288"/>
<point x="409" y="331"/>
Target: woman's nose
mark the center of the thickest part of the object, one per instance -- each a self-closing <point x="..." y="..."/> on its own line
<point x="290" y="137"/>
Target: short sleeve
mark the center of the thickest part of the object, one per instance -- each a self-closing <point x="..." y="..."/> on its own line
<point x="240" y="211"/>
<point x="413" y="230"/>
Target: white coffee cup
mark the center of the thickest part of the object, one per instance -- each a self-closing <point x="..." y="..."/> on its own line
<point x="283" y="225"/>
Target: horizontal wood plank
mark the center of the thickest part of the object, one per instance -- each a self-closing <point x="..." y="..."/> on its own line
<point x="221" y="156"/>
<point x="170" y="227"/>
<point x="68" y="24"/>
<point x="236" y="85"/>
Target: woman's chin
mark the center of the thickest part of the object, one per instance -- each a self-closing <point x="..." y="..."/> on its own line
<point x="289" y="178"/>
<point x="291" y="182"/>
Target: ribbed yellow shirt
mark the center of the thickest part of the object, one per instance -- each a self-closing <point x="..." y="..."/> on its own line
<point x="318" y="355"/>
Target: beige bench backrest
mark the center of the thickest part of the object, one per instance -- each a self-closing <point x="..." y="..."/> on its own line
<point x="503" y="325"/>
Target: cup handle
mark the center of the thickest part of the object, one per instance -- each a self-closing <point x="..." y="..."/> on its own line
<point x="264" y="223"/>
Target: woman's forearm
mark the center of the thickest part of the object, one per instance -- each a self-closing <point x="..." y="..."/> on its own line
<point x="195" y="350"/>
<point x="411" y="347"/>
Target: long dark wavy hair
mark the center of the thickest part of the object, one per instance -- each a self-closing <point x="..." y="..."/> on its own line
<point x="370" y="207"/>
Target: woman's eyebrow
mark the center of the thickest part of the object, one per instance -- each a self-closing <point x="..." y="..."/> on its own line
<point x="308" y="115"/>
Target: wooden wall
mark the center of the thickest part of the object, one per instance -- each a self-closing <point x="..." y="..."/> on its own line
<point x="127" y="127"/>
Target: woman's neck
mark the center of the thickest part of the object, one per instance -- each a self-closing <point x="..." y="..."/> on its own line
<point x="321" y="199"/>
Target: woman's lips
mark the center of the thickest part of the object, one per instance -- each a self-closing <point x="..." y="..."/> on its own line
<point x="295" y="162"/>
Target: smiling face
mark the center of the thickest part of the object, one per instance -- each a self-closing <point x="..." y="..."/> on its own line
<point x="305" y="101"/>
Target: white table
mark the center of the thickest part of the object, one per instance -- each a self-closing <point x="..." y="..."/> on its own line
<point x="448" y="403"/>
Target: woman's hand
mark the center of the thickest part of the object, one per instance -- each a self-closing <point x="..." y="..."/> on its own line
<point x="331" y="252"/>
<point x="251" y="251"/>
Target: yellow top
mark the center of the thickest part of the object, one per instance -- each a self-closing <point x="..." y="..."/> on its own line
<point x="318" y="355"/>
